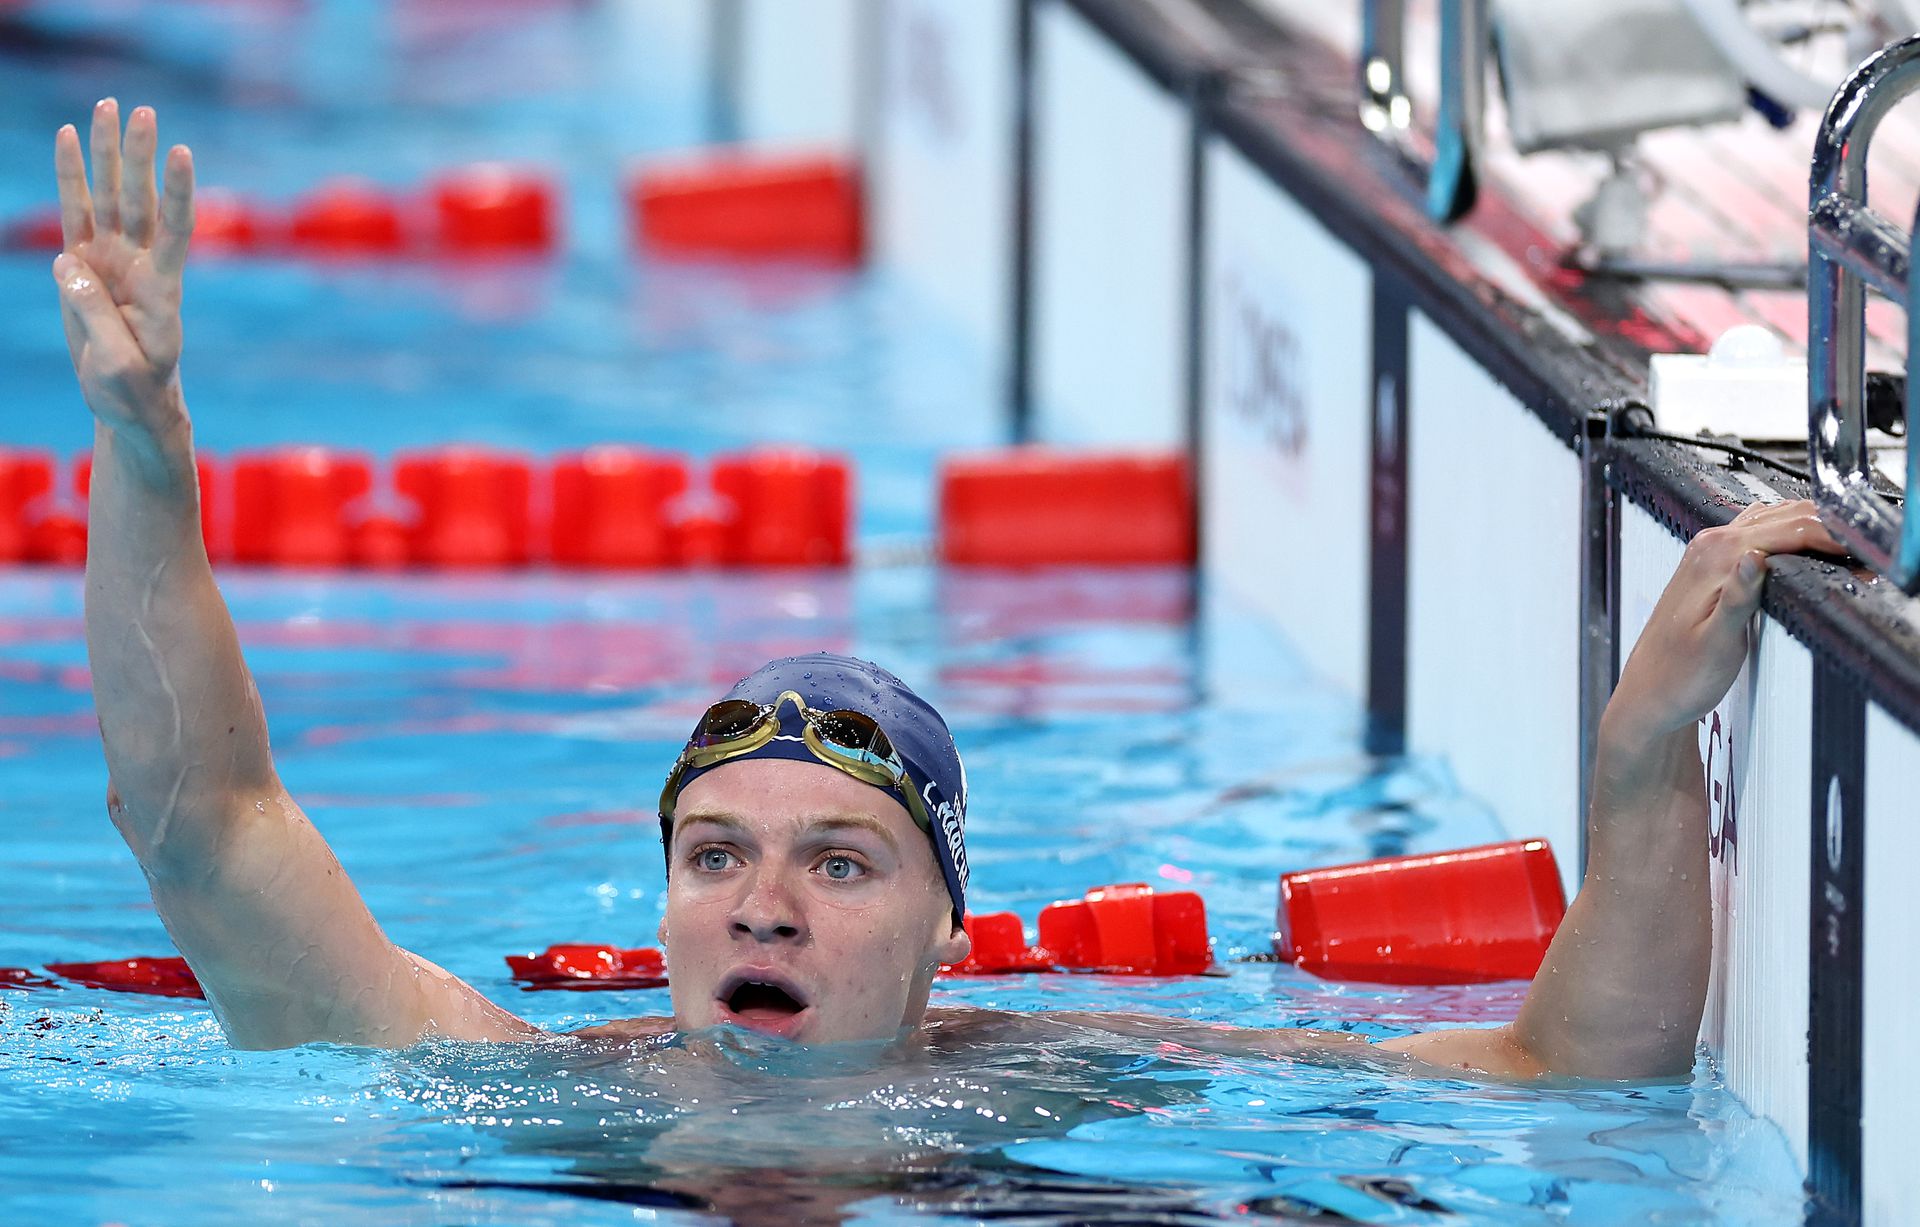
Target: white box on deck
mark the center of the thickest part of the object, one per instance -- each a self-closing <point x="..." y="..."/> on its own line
<point x="1746" y="385"/>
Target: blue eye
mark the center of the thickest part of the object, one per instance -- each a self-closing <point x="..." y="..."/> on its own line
<point x="842" y="868"/>
<point x="713" y="860"/>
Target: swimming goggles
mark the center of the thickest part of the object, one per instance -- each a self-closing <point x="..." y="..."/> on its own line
<point x="852" y="741"/>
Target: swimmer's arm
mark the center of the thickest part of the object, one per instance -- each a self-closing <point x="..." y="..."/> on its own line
<point x="1624" y="982"/>
<point x="250" y="892"/>
<point x="1220" y="1039"/>
<point x="1623" y="986"/>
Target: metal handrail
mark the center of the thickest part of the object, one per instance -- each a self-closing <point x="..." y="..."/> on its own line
<point x="1850" y="247"/>
<point x="1460" y="124"/>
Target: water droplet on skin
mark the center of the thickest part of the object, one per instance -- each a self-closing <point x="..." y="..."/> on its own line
<point x="260" y="806"/>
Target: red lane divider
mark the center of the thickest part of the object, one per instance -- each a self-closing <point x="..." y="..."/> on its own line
<point x="1477" y="914"/>
<point x="35" y="231"/>
<point x="493" y="207"/>
<point x="347" y="217"/>
<point x="730" y="205"/>
<point x="464" y="507"/>
<point x="290" y="506"/>
<point x="999" y="948"/>
<point x="1485" y="913"/>
<point x="154" y="977"/>
<point x="1126" y="929"/>
<point x="473" y="507"/>
<point x="24" y="977"/>
<point x="610" y="508"/>
<point x="791" y="508"/>
<point x="753" y="207"/>
<point x="228" y="223"/>
<point x="1039" y="506"/>
<point x="477" y="210"/>
<point x="25" y="477"/>
<point x="587" y="967"/>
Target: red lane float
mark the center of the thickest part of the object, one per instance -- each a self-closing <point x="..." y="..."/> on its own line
<point x="467" y="506"/>
<point x="704" y="537"/>
<point x="1126" y="929"/>
<point x="745" y="207"/>
<point x="1477" y="914"/>
<point x="24" y="977"/>
<point x="226" y="223"/>
<point x="25" y="479"/>
<point x="491" y="207"/>
<point x="36" y="231"/>
<point x="585" y="967"/>
<point x="154" y="977"/>
<point x="999" y="948"/>
<point x="347" y="217"/>
<point x="290" y="506"/>
<point x="1129" y="929"/>
<point x="791" y="508"/>
<point x="1040" y="506"/>
<point x="610" y="508"/>
<point x="473" y="506"/>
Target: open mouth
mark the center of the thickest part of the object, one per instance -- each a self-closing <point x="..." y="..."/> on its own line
<point x="762" y="1003"/>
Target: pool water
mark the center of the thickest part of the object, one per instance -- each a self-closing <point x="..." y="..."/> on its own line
<point x="482" y="751"/>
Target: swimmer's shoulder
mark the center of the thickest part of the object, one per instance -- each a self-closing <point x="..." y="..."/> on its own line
<point x="625" y="1030"/>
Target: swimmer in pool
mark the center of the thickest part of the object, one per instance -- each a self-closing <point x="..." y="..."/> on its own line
<point x="814" y="825"/>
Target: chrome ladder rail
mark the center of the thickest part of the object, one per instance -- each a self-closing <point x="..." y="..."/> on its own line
<point x="1851" y="248"/>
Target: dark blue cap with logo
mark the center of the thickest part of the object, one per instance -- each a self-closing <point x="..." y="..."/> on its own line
<point x="830" y="682"/>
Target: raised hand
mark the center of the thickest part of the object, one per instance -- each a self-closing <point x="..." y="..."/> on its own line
<point x="1696" y="639"/>
<point x="119" y="272"/>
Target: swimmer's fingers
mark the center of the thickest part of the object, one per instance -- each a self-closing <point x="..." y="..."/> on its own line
<point x="70" y="175"/>
<point x="70" y="324"/>
<point x="105" y="143"/>
<point x="1786" y="528"/>
<point x="86" y="303"/>
<point x="176" y="215"/>
<point x="136" y="179"/>
<point x="1738" y="553"/>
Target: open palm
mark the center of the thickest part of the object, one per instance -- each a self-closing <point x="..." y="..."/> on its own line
<point x="120" y="269"/>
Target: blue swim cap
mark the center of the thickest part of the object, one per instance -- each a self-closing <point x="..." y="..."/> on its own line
<point x="829" y="682"/>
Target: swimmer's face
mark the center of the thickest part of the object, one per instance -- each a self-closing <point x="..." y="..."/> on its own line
<point x="802" y="903"/>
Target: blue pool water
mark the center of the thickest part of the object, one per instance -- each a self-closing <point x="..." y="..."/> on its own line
<point x="483" y="751"/>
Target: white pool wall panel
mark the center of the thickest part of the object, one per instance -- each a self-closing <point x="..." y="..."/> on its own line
<point x="1889" y="1058"/>
<point x="940" y="182"/>
<point x="1285" y="433"/>
<point x="803" y="74"/>
<point x="667" y="53"/>
<point x="1493" y="594"/>
<point x="1756" y="752"/>
<point x="1109" y="242"/>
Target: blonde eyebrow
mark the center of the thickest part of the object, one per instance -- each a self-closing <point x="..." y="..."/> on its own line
<point x="825" y="823"/>
<point x="856" y="822"/>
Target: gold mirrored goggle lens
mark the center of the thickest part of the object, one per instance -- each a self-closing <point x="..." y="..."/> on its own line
<point x="852" y="741"/>
<point x="854" y="732"/>
<point x="728" y="720"/>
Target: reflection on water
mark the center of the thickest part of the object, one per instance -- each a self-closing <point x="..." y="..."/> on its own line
<point x="997" y="1118"/>
<point x="735" y="1121"/>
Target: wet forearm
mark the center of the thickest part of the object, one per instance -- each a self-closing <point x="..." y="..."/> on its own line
<point x="179" y="718"/>
<point x="1622" y="989"/>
